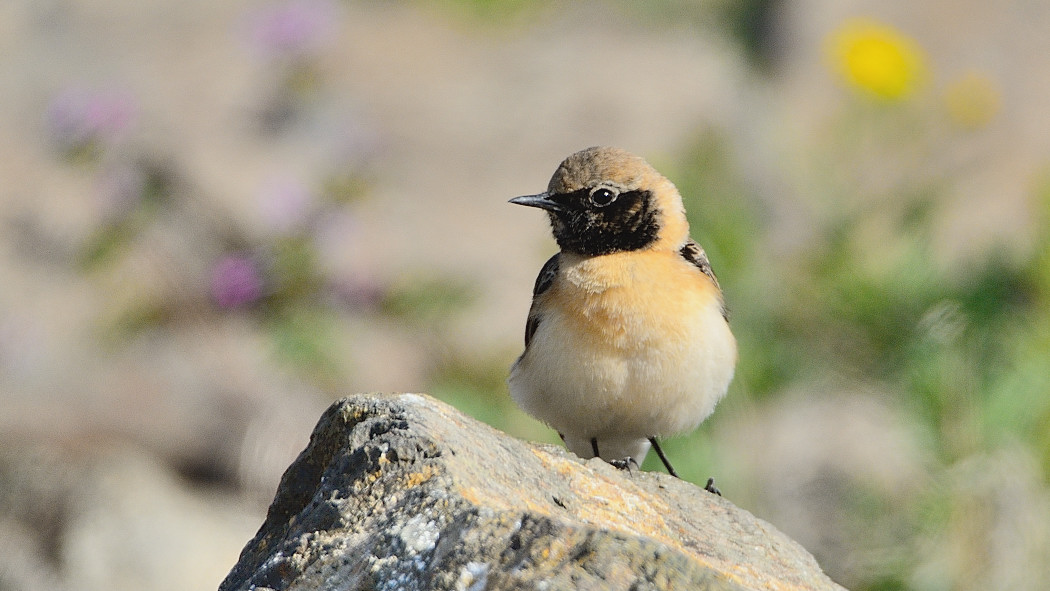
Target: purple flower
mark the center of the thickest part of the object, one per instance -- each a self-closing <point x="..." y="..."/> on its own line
<point x="294" y="28"/>
<point x="236" y="281"/>
<point x="78" y="118"/>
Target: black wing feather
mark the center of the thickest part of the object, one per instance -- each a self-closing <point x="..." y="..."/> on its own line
<point x="695" y="254"/>
<point x="543" y="282"/>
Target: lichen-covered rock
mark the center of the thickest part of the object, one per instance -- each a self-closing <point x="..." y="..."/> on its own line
<point x="404" y="492"/>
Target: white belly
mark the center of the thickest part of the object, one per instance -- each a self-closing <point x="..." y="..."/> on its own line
<point x="627" y="371"/>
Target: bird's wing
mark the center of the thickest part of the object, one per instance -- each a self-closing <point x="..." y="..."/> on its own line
<point x="694" y="254"/>
<point x="543" y="283"/>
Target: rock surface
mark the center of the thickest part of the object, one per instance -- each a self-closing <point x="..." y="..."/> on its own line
<point x="405" y="492"/>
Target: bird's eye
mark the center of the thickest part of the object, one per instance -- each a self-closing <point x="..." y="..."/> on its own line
<point x="601" y="197"/>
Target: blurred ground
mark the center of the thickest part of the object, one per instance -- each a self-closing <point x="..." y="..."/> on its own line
<point x="217" y="217"/>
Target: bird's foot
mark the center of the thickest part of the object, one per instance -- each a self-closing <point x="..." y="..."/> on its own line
<point x="711" y="488"/>
<point x="627" y="463"/>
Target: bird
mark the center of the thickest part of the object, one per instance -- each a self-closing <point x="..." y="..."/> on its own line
<point x="627" y="339"/>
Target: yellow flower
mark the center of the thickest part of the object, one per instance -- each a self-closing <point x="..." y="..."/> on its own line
<point x="972" y="100"/>
<point x="876" y="59"/>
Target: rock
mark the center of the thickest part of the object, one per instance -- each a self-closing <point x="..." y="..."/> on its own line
<point x="405" y="492"/>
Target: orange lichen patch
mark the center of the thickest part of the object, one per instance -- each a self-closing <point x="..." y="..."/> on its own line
<point x="416" y="478"/>
<point x="557" y="552"/>
<point x="511" y="501"/>
<point x="618" y="507"/>
<point x="470" y="495"/>
<point x="354" y="414"/>
<point x="624" y="507"/>
<point x="559" y="464"/>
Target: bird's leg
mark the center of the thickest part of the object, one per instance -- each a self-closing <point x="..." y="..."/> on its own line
<point x="709" y="487"/>
<point x="594" y="446"/>
<point x="663" y="458"/>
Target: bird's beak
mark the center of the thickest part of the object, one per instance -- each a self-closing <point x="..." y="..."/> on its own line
<point x="542" y="201"/>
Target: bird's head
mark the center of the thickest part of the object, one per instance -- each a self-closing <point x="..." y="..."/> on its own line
<point x="606" y="200"/>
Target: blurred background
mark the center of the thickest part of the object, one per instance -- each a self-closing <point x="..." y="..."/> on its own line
<point x="218" y="217"/>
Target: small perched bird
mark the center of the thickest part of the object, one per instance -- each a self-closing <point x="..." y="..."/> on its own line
<point x="627" y="338"/>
